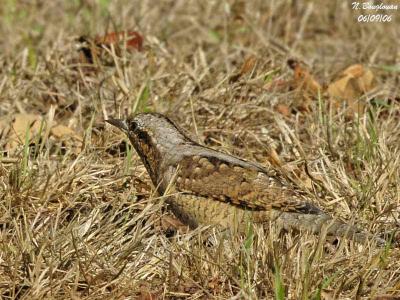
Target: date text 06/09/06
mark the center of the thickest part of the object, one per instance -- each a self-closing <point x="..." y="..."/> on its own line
<point x="374" y="18"/>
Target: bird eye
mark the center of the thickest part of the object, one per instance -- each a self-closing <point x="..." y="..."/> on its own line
<point x="133" y="126"/>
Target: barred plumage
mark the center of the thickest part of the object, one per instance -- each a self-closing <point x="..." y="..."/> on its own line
<point x="211" y="187"/>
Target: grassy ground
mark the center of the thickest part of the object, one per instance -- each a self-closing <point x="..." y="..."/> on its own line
<point x="78" y="216"/>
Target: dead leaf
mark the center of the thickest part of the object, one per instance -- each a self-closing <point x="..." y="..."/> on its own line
<point x="29" y="124"/>
<point x="169" y="223"/>
<point x="68" y="136"/>
<point x="145" y="294"/>
<point x="134" y="41"/>
<point x="303" y="80"/>
<point x="238" y="10"/>
<point x="247" y="66"/>
<point x="22" y="125"/>
<point x="354" y="82"/>
<point x="92" y="49"/>
<point x="277" y="85"/>
<point x="61" y="131"/>
<point x="327" y="295"/>
<point x="215" y="285"/>
<point x="305" y="104"/>
<point x="305" y="84"/>
<point x="283" y="109"/>
<point x="274" y="158"/>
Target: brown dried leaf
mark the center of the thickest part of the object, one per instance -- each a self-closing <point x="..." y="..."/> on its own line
<point x="327" y="295"/>
<point x="134" y="41"/>
<point x="238" y="9"/>
<point x="22" y="124"/>
<point x="303" y="80"/>
<point x="68" y="137"/>
<point x="305" y="104"/>
<point x="283" y="109"/>
<point x="306" y="86"/>
<point x="274" y="158"/>
<point x="145" y="294"/>
<point x="248" y="65"/>
<point x="352" y="84"/>
<point x="171" y="223"/>
<point x="277" y="85"/>
<point x="91" y="50"/>
<point x="61" y="132"/>
<point x="215" y="285"/>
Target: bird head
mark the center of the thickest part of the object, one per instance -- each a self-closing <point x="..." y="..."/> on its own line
<point x="151" y="129"/>
<point x="154" y="137"/>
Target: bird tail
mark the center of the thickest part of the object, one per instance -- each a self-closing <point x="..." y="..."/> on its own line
<point x="317" y="223"/>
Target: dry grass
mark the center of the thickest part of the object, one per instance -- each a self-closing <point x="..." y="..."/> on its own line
<point x="86" y="224"/>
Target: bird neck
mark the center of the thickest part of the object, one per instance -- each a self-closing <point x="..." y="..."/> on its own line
<point x="151" y="156"/>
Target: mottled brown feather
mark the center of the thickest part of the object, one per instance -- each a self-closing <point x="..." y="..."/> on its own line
<point x="249" y="188"/>
<point x="211" y="187"/>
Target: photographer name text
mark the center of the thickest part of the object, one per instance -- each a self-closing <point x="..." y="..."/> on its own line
<point x="380" y="14"/>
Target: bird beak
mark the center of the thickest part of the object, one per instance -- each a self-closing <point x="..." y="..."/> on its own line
<point x="121" y="124"/>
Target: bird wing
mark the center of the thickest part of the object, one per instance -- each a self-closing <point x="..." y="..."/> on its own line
<point x="235" y="181"/>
